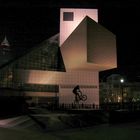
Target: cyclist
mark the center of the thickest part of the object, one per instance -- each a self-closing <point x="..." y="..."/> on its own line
<point x="77" y="92"/>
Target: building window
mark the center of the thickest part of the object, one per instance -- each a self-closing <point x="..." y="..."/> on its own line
<point x="68" y="16"/>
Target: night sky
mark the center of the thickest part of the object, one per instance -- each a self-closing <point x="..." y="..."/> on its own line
<point x="26" y="24"/>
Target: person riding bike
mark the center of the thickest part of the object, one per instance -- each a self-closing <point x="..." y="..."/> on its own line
<point x="77" y="92"/>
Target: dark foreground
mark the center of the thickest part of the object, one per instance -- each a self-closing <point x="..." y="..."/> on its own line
<point x="42" y="124"/>
<point x="127" y="131"/>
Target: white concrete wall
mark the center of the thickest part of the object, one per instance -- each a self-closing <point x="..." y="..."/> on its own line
<point x="67" y="27"/>
<point x="88" y="82"/>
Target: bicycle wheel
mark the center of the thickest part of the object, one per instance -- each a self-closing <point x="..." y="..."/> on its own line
<point x="84" y="97"/>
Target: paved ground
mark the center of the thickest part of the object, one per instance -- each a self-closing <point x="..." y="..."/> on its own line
<point x="24" y="128"/>
<point x="129" y="131"/>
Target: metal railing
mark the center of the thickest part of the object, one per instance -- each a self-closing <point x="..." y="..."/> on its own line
<point x="133" y="106"/>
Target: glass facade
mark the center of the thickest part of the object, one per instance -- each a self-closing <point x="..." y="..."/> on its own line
<point x="45" y="57"/>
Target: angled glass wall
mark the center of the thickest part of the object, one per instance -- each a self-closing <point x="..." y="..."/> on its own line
<point x="45" y="57"/>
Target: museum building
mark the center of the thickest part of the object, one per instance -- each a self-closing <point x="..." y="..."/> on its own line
<point x="75" y="56"/>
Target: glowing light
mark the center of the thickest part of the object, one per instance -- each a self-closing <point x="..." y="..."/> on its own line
<point x="122" y="80"/>
<point x="119" y="98"/>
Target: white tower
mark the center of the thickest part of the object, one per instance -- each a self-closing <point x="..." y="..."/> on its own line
<point x="5" y="42"/>
<point x="71" y="18"/>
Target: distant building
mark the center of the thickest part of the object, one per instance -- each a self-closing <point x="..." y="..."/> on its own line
<point x="5" y="51"/>
<point x="111" y="90"/>
<point x="50" y="71"/>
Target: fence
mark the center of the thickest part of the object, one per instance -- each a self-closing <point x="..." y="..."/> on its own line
<point x="117" y="106"/>
<point x="107" y="107"/>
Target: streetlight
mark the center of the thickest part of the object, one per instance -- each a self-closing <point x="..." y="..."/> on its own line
<point x="122" y="81"/>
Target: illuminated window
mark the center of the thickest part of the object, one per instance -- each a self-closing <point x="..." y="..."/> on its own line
<point x="68" y="16"/>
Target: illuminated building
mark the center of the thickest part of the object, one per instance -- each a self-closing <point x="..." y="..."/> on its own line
<point x="111" y="90"/>
<point x="74" y="57"/>
<point x="5" y="51"/>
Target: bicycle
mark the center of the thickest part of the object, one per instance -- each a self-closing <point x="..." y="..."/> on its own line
<point x="80" y="98"/>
